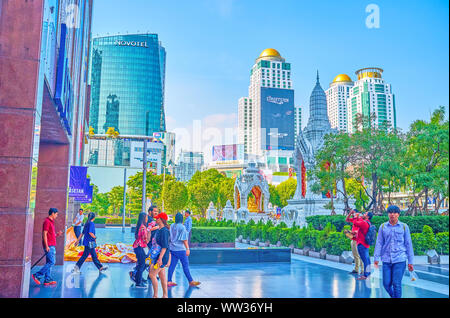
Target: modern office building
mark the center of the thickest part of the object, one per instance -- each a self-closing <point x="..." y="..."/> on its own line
<point x="337" y="96"/>
<point x="188" y="163"/>
<point x="371" y="95"/>
<point x="266" y="116"/>
<point x="297" y="121"/>
<point x="127" y="79"/>
<point x="44" y="105"/>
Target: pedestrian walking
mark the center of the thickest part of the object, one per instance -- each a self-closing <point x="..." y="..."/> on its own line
<point x="394" y="247"/>
<point x="179" y="250"/>
<point x="163" y="259"/>
<point x="49" y="244"/>
<point x="77" y="221"/>
<point x="140" y="245"/>
<point x="188" y="224"/>
<point x="359" y="267"/>
<point x="362" y="225"/>
<point x="89" y="243"/>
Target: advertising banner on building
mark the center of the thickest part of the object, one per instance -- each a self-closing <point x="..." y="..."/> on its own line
<point x="77" y="181"/>
<point x="277" y="119"/>
<point x="228" y="152"/>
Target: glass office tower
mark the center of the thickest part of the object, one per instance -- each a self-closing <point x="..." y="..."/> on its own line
<point x="127" y="84"/>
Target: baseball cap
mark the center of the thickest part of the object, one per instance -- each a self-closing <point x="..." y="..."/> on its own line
<point x="162" y="215"/>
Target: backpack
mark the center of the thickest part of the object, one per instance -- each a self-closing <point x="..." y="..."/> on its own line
<point x="371" y="234"/>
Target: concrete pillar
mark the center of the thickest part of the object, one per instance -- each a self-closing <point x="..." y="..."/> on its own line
<point x="20" y="121"/>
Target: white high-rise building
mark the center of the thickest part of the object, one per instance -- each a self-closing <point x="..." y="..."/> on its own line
<point x="266" y="116"/>
<point x="297" y="121"/>
<point x="337" y="96"/>
<point x="370" y="94"/>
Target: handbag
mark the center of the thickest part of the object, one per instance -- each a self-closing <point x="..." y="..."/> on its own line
<point x="92" y="244"/>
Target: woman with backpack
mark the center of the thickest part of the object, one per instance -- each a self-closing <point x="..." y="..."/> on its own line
<point x="362" y="225"/>
<point x="90" y="243"/>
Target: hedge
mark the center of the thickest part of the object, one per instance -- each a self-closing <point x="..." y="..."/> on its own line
<point x="114" y="221"/>
<point x="213" y="235"/>
<point x="439" y="223"/>
<point x="333" y="240"/>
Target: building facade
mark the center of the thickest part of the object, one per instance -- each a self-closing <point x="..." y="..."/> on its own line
<point x="44" y="106"/>
<point x="297" y="121"/>
<point x="127" y="79"/>
<point x="189" y="162"/>
<point x="337" y="96"/>
<point x="266" y="121"/>
<point x="371" y="95"/>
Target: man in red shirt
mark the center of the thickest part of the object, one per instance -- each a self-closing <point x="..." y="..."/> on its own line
<point x="359" y="267"/>
<point x="49" y="244"/>
<point x="362" y="225"/>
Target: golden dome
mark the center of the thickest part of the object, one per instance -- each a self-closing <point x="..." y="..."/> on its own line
<point x="270" y="53"/>
<point x="342" y="78"/>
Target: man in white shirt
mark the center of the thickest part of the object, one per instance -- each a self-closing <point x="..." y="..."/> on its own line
<point x="78" y="219"/>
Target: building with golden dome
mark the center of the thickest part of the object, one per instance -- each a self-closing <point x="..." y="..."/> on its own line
<point x="369" y="95"/>
<point x="337" y="95"/>
<point x="266" y="124"/>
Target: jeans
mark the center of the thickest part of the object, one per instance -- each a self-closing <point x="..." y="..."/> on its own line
<point x="364" y="254"/>
<point x="46" y="270"/>
<point x="85" y="255"/>
<point x="392" y="278"/>
<point x="140" y="255"/>
<point x="179" y="256"/>
<point x="77" y="231"/>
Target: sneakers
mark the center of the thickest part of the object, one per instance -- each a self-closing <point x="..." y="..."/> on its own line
<point x="76" y="270"/>
<point x="194" y="283"/>
<point x="362" y="278"/>
<point x="171" y="284"/>
<point x="50" y="283"/>
<point x="104" y="268"/>
<point x="131" y="273"/>
<point x="141" y="285"/>
<point x="35" y="279"/>
<point x="353" y="272"/>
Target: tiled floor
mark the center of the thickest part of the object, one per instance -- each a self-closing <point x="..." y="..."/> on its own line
<point x="302" y="278"/>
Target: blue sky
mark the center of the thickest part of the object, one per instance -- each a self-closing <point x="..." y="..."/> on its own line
<point x="212" y="44"/>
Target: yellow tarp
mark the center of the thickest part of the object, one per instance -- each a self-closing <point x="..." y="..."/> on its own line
<point x="107" y="253"/>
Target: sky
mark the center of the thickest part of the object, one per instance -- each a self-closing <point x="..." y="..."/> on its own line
<point x="211" y="46"/>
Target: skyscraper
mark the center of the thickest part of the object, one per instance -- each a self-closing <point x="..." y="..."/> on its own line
<point x="337" y="95"/>
<point x="127" y="78"/>
<point x="371" y="95"/>
<point x="266" y="116"/>
<point x="297" y="121"/>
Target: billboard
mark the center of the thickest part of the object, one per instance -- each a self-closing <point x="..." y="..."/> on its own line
<point x="277" y="119"/>
<point x="154" y="155"/>
<point x="228" y="152"/>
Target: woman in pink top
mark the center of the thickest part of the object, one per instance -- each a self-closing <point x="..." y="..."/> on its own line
<point x="142" y="238"/>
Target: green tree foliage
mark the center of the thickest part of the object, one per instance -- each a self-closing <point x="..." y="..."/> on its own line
<point x="175" y="195"/>
<point x="286" y="190"/>
<point x="427" y="158"/>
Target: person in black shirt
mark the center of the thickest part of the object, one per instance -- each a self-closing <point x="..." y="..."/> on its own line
<point x="163" y="261"/>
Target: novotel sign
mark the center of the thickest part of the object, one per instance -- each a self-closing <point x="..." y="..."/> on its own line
<point x="131" y="43"/>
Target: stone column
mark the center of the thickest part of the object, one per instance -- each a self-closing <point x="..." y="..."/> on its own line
<point x="52" y="183"/>
<point x="20" y="122"/>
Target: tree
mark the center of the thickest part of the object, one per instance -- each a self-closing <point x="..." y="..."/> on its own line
<point x="286" y="190"/>
<point x="428" y="158"/>
<point x="226" y="192"/>
<point x="274" y="196"/>
<point x="375" y="147"/>
<point x="115" y="197"/>
<point x="202" y="191"/>
<point x="175" y="195"/>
